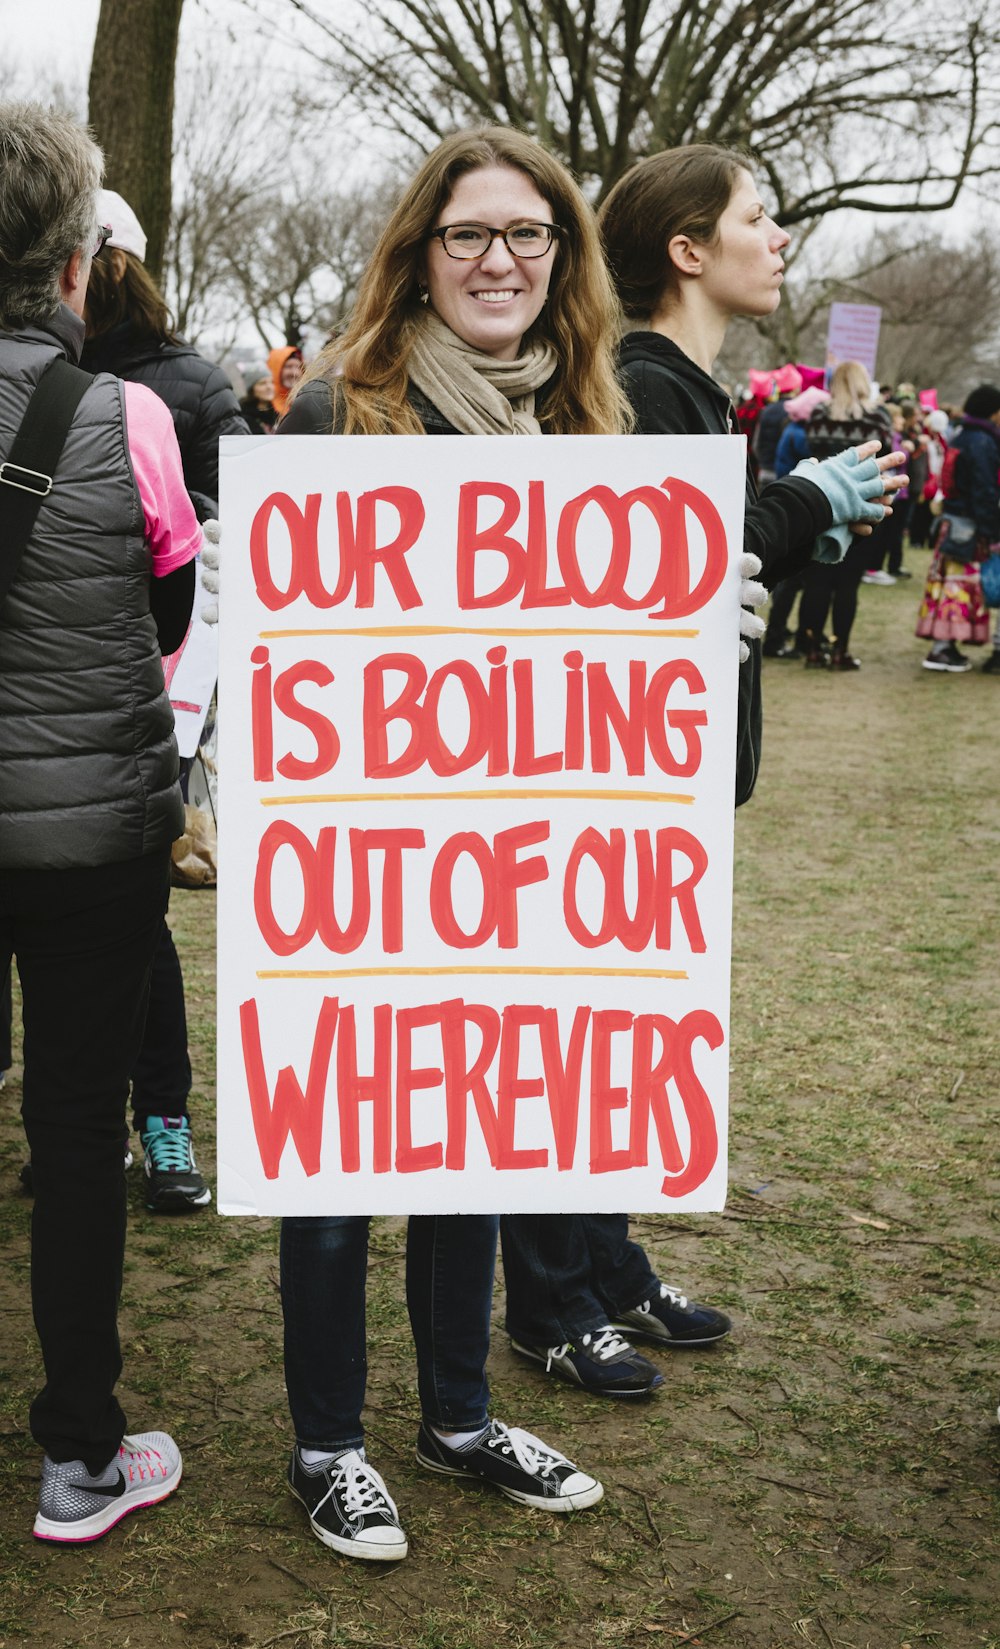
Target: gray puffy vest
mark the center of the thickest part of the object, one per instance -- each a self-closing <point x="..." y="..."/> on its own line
<point x="88" y="760"/>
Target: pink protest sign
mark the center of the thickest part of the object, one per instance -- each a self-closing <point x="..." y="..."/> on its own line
<point x="852" y="335"/>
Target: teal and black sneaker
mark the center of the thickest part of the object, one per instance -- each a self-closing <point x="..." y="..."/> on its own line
<point x="173" y="1183"/>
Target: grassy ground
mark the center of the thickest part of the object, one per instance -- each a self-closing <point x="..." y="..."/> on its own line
<point x="826" y="1477"/>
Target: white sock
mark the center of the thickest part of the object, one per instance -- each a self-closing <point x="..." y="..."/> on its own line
<point x="323" y="1457"/>
<point x="458" y="1439"/>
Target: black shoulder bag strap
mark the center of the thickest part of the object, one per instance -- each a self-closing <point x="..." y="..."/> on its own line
<point x="26" y="475"/>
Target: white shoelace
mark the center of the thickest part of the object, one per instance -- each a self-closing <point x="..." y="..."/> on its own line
<point x="671" y="1294"/>
<point x="607" y="1343"/>
<point x="532" y="1455"/>
<point x="364" y="1490"/>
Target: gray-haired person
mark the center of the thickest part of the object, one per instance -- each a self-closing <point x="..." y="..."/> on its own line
<point x="89" y="800"/>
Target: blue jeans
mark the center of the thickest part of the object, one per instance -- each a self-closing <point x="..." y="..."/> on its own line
<point x="450" y="1262"/>
<point x="567" y="1274"/>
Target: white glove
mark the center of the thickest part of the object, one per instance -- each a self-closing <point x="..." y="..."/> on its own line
<point x="752" y="626"/>
<point x="210" y="570"/>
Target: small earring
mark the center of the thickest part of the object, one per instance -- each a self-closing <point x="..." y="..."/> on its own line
<point x="424" y="294"/>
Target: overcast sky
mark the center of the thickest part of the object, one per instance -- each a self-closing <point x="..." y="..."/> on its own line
<point x="59" y="33"/>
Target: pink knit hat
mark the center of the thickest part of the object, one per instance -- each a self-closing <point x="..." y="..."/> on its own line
<point x="805" y="404"/>
<point x="788" y="380"/>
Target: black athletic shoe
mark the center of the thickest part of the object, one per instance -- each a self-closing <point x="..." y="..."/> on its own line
<point x="521" y="1466"/>
<point x="74" y="1506"/>
<point x="947" y="658"/>
<point x="349" y="1506"/>
<point x="671" y="1319"/>
<point x="173" y="1183"/>
<point x="602" y="1362"/>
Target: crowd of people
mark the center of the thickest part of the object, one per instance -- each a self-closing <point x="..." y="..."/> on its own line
<point x="951" y="501"/>
<point x="494" y="303"/>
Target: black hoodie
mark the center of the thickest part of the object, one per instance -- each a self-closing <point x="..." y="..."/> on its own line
<point x="672" y="396"/>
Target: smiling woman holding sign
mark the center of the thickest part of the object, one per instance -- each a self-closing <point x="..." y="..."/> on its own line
<point x="486" y="309"/>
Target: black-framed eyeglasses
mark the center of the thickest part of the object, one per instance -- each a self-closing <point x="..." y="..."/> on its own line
<point x="473" y="240"/>
<point x="104" y="234"/>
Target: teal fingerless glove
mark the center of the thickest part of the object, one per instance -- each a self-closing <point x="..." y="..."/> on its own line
<point x="850" y="489"/>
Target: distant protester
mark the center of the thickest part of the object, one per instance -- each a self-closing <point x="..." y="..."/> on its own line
<point x="968" y="529"/>
<point x="257" y="405"/>
<point x="794" y="443"/>
<point x="286" y="366"/>
<point x="793" y="448"/>
<point x="130" y="333"/>
<point x="773" y="418"/>
<point x="851" y="415"/>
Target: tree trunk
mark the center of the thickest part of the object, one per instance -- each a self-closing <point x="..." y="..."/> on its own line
<point x="132" y="108"/>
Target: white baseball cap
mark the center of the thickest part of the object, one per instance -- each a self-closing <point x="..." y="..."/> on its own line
<point x="126" y="230"/>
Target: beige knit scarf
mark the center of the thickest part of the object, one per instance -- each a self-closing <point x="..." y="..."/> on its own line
<point x="477" y="394"/>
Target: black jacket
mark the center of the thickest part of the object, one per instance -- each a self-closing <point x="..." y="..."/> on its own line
<point x="260" y="420"/>
<point x="200" y="397"/>
<point x="311" y="412"/>
<point x="766" y="436"/>
<point x="977" y="493"/>
<point x="673" y="396"/>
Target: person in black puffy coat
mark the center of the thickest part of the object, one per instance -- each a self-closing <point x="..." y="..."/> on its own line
<point x="129" y="333"/>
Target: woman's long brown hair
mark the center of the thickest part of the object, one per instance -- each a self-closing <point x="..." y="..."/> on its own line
<point x="367" y="365"/>
<point x="136" y="298"/>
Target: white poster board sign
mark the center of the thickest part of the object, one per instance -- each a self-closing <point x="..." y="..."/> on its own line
<point x="190" y="674"/>
<point x="852" y="335"/>
<point x="477" y="763"/>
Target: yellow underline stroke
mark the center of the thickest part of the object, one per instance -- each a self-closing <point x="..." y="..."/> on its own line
<point x="468" y="630"/>
<point x="395" y="973"/>
<point x="484" y="796"/>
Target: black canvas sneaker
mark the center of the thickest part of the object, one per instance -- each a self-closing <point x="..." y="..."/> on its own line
<point x="602" y="1362"/>
<point x="519" y="1465"/>
<point x="671" y="1319"/>
<point x="349" y="1506"/>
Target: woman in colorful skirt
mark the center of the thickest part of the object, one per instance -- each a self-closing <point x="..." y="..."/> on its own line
<point x="953" y="609"/>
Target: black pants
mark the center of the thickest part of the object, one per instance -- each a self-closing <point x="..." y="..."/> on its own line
<point x="833" y="587"/>
<point x="568" y="1275"/>
<point x="782" y="601"/>
<point x="84" y="941"/>
<point x="6" y="1013"/>
<point x="161" y="1076"/>
<point x="887" y="539"/>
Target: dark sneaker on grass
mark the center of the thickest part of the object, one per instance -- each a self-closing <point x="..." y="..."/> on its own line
<point x="173" y="1183"/>
<point x="521" y="1466"/>
<point x="602" y="1362"/>
<point x="947" y="659"/>
<point x="73" y="1506"/>
<point x="671" y="1319"/>
<point x="349" y="1506"/>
